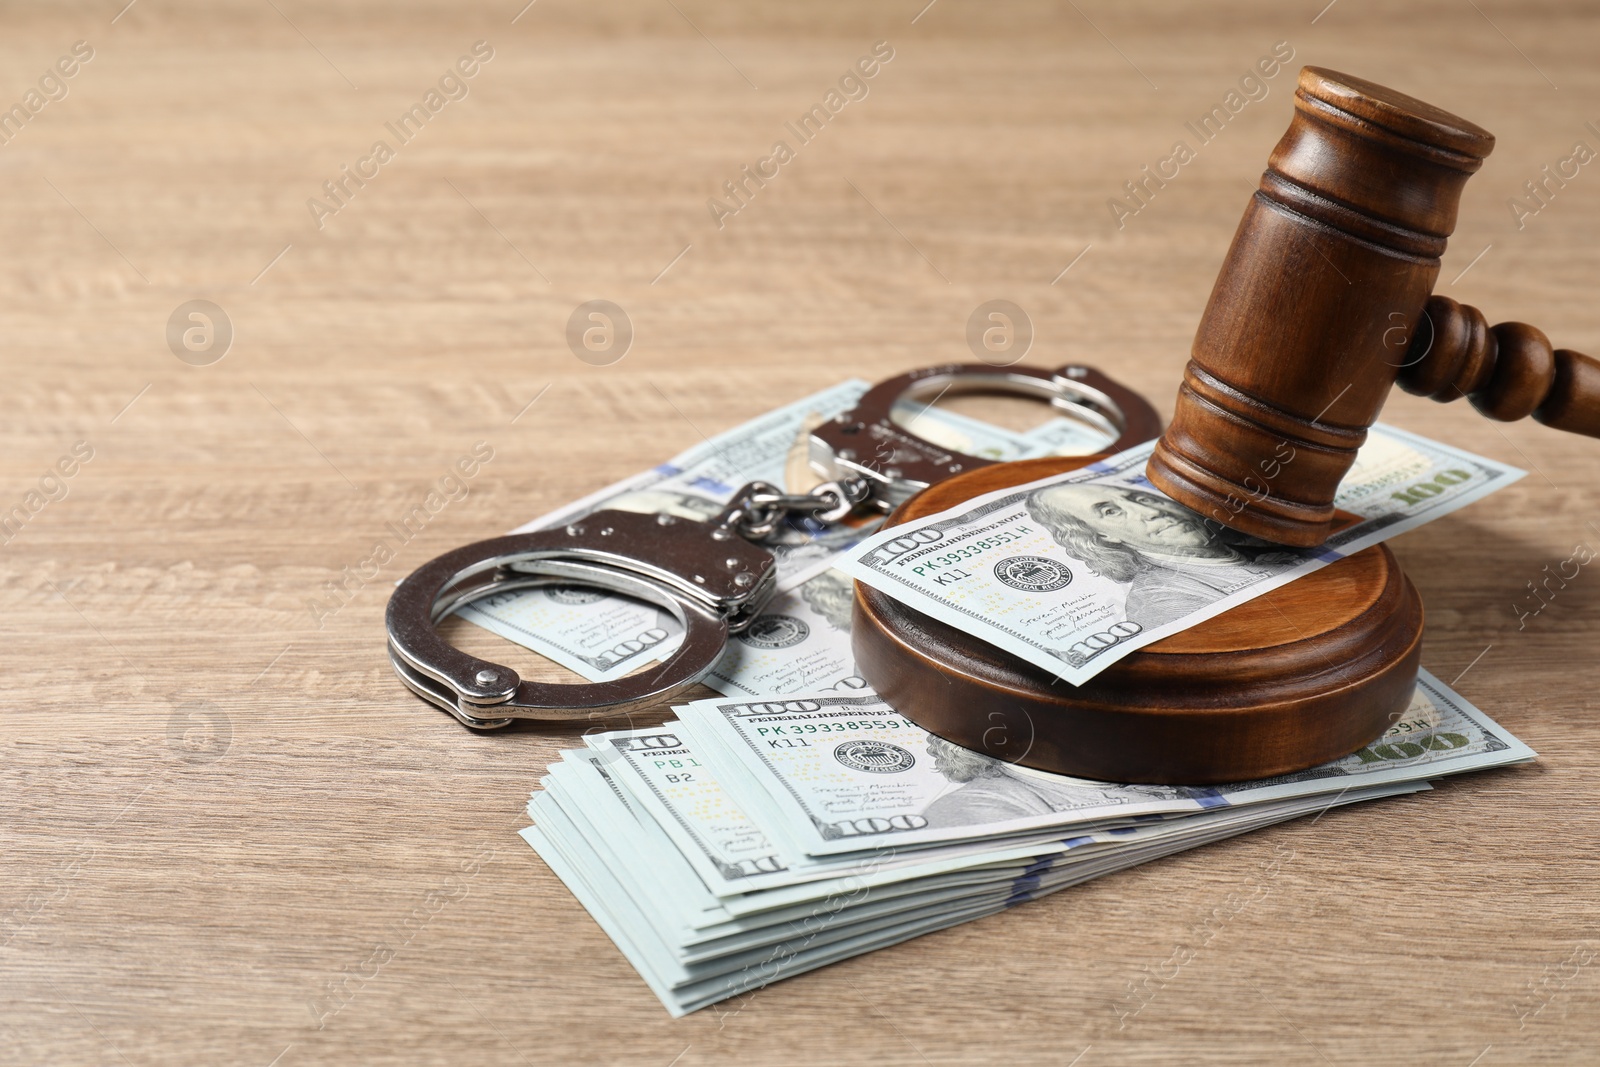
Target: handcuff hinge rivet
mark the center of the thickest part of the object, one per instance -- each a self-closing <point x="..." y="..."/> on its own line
<point x="700" y="579"/>
<point x="720" y="534"/>
<point x="743" y="579"/>
<point x="733" y="564"/>
<point x="486" y="678"/>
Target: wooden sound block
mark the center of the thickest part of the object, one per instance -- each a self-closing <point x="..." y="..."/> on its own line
<point x="1309" y="672"/>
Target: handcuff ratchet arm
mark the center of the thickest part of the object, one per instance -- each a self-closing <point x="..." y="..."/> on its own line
<point x="713" y="585"/>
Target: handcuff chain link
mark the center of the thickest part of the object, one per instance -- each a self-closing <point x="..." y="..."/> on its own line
<point x="760" y="507"/>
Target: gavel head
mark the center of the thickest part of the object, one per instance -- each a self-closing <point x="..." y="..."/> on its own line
<point x="1314" y="308"/>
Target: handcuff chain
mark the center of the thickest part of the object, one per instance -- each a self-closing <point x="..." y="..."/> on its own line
<point x="760" y="506"/>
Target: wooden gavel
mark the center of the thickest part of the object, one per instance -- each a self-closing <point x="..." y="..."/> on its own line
<point x="1323" y="304"/>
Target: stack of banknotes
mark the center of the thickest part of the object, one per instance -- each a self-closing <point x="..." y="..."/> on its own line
<point x="719" y="863"/>
<point x="800" y="820"/>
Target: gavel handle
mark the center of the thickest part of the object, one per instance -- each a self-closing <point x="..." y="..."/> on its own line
<point x="1508" y="372"/>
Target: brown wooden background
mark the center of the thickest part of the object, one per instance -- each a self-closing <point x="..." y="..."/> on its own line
<point x="216" y="808"/>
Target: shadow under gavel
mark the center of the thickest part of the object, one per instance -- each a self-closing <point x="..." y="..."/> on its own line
<point x="1323" y="304"/>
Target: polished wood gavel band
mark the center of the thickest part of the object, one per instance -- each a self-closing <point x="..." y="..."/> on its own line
<point x="1315" y="306"/>
<point x="1507" y="372"/>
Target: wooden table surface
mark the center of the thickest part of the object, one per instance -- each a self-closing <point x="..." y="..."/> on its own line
<point x="221" y="803"/>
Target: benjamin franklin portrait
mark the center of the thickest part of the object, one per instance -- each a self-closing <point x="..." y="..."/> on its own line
<point x="1172" y="561"/>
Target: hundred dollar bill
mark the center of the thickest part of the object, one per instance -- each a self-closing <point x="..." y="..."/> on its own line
<point x="669" y="782"/>
<point x="1073" y="572"/>
<point x="689" y="968"/>
<point x="836" y="774"/>
<point x="662" y="882"/>
<point x="603" y="635"/>
<point x="720" y="842"/>
<point x="560" y="814"/>
<point x="661" y="879"/>
<point x="683" y="989"/>
<point x="598" y="817"/>
<point x="800" y="643"/>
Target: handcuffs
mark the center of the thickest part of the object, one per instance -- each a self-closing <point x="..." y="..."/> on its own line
<point x="714" y="577"/>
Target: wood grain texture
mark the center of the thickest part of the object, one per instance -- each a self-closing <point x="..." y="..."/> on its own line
<point x="163" y="906"/>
